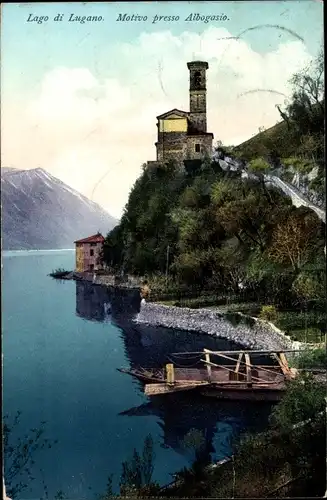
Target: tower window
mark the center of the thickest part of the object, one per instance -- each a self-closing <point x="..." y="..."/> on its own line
<point x="197" y="148"/>
<point x="197" y="79"/>
<point x="91" y="252"/>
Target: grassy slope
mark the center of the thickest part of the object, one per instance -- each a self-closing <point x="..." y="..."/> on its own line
<point x="276" y="137"/>
<point x="271" y="133"/>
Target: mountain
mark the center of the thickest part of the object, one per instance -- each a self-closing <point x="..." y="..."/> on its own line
<point x="41" y="212"/>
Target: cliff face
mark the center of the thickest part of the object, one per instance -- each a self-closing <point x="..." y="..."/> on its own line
<point x="41" y="212"/>
<point x="303" y="183"/>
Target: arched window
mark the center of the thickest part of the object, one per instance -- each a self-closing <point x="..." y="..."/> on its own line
<point x="197" y="79"/>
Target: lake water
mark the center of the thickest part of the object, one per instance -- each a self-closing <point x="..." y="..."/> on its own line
<point x="61" y="351"/>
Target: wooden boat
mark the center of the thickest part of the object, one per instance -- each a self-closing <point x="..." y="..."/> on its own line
<point x="61" y="274"/>
<point x="241" y="379"/>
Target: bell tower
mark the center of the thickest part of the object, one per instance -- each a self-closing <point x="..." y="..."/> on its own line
<point x="198" y="96"/>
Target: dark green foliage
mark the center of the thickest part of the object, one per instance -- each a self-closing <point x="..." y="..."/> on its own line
<point x="139" y="243"/>
<point x="206" y="228"/>
<point x="137" y="472"/>
<point x="290" y="320"/>
<point x="286" y="460"/>
<point x="211" y="231"/>
<point x="313" y="358"/>
<point x="303" y="400"/>
<point x="20" y="455"/>
<point x="136" y="478"/>
<point x="318" y="185"/>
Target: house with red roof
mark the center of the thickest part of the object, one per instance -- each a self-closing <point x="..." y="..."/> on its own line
<point x="88" y="253"/>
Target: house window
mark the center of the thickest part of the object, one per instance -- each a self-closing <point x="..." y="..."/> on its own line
<point x="91" y="252"/>
<point x="93" y="244"/>
<point x="197" y="148"/>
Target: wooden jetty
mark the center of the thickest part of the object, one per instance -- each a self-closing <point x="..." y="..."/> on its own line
<point x="241" y="379"/>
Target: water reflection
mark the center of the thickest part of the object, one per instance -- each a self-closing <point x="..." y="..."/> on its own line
<point x="178" y="414"/>
<point x="92" y="302"/>
<point x="219" y="422"/>
<point x="144" y="345"/>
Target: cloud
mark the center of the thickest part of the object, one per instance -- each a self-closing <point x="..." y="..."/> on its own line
<point x="84" y="127"/>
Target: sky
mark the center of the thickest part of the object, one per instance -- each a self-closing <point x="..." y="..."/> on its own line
<point x="80" y="99"/>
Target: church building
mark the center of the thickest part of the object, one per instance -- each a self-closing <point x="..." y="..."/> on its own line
<point x="182" y="135"/>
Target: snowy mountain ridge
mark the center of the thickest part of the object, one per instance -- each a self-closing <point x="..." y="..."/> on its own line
<point x="40" y="211"/>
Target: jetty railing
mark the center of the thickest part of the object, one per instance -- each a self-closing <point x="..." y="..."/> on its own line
<point x="244" y="371"/>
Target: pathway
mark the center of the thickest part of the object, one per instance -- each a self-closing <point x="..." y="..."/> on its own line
<point x="296" y="196"/>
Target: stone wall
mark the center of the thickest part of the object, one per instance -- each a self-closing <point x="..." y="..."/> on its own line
<point x="171" y="145"/>
<point x="198" y="119"/>
<point x="130" y="282"/>
<point x="251" y="332"/>
<point x="205" y="142"/>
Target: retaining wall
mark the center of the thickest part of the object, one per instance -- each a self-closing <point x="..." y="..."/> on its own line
<point x="252" y="333"/>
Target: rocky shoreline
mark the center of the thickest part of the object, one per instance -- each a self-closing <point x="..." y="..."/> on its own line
<point x="252" y="333"/>
<point x="103" y="280"/>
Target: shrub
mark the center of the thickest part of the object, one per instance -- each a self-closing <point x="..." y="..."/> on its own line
<point x="258" y="165"/>
<point x="300" y="164"/>
<point x="311" y="358"/>
<point x="269" y="313"/>
<point x="291" y="320"/>
<point x="289" y="162"/>
<point x="311" y="335"/>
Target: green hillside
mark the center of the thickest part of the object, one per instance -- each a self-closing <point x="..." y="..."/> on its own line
<point x="203" y="230"/>
<point x="300" y="133"/>
<point x="274" y="139"/>
<point x="283" y="141"/>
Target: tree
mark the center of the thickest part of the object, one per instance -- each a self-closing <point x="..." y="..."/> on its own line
<point x="20" y="455"/>
<point x="311" y="146"/>
<point x="307" y="288"/>
<point x="195" y="441"/>
<point x="311" y="358"/>
<point x="305" y="398"/>
<point x="189" y="267"/>
<point x="258" y="166"/>
<point x="221" y="191"/>
<point x="189" y="198"/>
<point x="293" y="240"/>
<point x="305" y="111"/>
<point x="113" y="248"/>
<point x="288" y="459"/>
<point x="242" y="218"/>
<point x="136" y="477"/>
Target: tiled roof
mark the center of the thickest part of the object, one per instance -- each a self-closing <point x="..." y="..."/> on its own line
<point x="96" y="238"/>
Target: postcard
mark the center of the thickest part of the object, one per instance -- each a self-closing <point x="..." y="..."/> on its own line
<point x="163" y="249"/>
